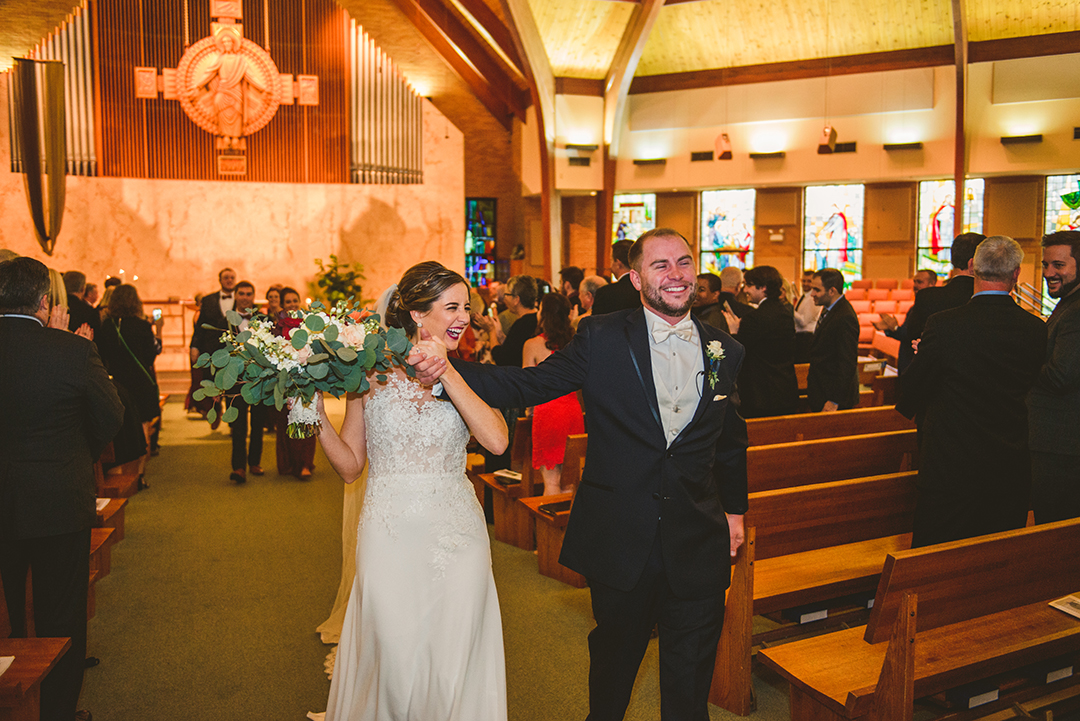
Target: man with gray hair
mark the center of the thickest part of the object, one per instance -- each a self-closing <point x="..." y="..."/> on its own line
<point x="967" y="386"/>
<point x="587" y="293"/>
<point x="80" y="312"/>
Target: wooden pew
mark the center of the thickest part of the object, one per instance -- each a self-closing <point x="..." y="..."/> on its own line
<point x="20" y="686"/>
<point x="513" y="523"/>
<point x="551" y="527"/>
<point x="121" y="481"/>
<point x="785" y="465"/>
<point x="869" y="367"/>
<point x="809" y="426"/>
<point x="101" y="551"/>
<point x="943" y="616"/>
<point x="807" y="545"/>
<point x="112" y="516"/>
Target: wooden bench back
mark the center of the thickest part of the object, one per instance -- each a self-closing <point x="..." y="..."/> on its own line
<point x="521" y="449"/>
<point x="967" y="579"/>
<point x="822" y="515"/>
<point x="785" y="465"/>
<point x="573" y="460"/>
<point x="810" y="426"/>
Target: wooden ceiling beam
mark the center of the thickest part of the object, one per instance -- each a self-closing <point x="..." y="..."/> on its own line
<point x="978" y="52"/>
<point x="493" y="97"/>
<point x="495" y="28"/>
<point x="453" y="27"/>
<point x="580" y="86"/>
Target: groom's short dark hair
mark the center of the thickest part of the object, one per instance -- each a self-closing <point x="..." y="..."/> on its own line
<point x="637" y="250"/>
<point x="23" y="283"/>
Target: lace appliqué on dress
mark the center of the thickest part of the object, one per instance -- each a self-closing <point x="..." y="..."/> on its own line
<point x="416" y="457"/>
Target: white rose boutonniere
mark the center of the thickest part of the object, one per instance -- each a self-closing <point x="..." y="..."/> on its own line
<point x="715" y="352"/>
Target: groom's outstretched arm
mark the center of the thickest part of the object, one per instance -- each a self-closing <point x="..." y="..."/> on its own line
<point x="560" y="373"/>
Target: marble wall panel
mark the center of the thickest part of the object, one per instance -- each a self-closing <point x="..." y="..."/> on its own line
<point x="176" y="234"/>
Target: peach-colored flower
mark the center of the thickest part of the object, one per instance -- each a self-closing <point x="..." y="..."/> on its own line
<point x="303" y="354"/>
<point x="353" y="336"/>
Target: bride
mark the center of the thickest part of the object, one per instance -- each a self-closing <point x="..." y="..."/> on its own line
<point x="422" y="637"/>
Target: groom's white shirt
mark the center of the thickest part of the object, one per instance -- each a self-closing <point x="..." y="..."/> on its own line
<point x="677" y="369"/>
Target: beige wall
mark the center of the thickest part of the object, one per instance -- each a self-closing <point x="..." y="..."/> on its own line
<point x="175" y="235"/>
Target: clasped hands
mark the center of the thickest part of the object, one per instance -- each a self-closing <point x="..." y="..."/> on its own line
<point x="428" y="358"/>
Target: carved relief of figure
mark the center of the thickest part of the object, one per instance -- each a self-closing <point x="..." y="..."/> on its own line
<point x="230" y="88"/>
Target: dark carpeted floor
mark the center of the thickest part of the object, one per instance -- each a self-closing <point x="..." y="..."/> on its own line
<point x="215" y="593"/>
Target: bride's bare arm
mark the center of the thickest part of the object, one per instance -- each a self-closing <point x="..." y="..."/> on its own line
<point x="347" y="450"/>
<point x="485" y="423"/>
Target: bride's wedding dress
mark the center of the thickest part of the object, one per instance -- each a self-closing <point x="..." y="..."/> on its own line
<point x="422" y="638"/>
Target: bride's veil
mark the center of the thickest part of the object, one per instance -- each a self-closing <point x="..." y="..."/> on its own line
<point x="383" y="302"/>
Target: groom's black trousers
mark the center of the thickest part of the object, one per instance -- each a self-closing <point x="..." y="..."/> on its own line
<point x="689" y="632"/>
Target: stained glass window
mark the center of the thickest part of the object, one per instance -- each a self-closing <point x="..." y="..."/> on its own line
<point x="1062" y="203"/>
<point x="727" y="229"/>
<point x="833" y="229"/>
<point x="634" y="214"/>
<point x="479" y="241"/>
<point x="937" y="220"/>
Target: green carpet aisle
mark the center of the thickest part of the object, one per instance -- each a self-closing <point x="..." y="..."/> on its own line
<point x="215" y="592"/>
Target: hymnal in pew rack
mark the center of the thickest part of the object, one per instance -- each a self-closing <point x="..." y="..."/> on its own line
<point x="1069" y="604"/>
<point x="507" y="478"/>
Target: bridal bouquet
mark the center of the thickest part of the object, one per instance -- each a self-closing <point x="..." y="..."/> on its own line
<point x="285" y="362"/>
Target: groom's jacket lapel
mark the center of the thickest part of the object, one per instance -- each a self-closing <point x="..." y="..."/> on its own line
<point x="637" y="336"/>
<point x="703" y="381"/>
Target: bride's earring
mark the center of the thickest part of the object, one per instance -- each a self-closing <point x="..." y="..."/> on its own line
<point x="419" y="324"/>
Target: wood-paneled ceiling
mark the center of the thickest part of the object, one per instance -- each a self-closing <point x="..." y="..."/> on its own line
<point x="692" y="42"/>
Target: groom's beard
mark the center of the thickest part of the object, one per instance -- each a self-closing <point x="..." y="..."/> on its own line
<point x="655" y="300"/>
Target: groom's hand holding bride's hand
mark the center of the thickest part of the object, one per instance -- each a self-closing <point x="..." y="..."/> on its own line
<point x="428" y="358"/>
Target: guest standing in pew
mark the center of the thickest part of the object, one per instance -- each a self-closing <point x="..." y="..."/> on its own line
<point x="553" y="421"/>
<point x="295" y="456"/>
<point x="61" y="411"/>
<point x="80" y="312"/>
<point x="659" y="511"/>
<point x="953" y="294"/>
<point x="587" y="294"/>
<point x="806" y="313"/>
<point x="767" y="382"/>
<point x="1054" y="403"/>
<point x="621" y="294"/>
<point x="923" y="279"/>
<point x="973" y="371"/>
<point x="832" y="383"/>
<point x="707" y="306"/>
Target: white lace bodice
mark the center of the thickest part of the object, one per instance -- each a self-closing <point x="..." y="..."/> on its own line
<point x="416" y="456"/>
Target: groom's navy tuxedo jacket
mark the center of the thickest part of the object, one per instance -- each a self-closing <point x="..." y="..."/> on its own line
<point x="633" y="484"/>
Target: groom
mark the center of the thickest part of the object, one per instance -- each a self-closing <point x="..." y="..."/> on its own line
<point x="659" y="509"/>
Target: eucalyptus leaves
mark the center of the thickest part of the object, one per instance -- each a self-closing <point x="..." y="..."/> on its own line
<point x="290" y="359"/>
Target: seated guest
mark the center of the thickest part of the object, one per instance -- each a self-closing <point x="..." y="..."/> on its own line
<point x="707" y="306"/>
<point x="128" y="347"/>
<point x="80" y="312"/>
<point x="767" y="382"/>
<point x="968" y="383"/>
<point x="833" y="380"/>
<point x="295" y="456"/>
<point x="555" y="420"/>
<point x="60" y="411"/>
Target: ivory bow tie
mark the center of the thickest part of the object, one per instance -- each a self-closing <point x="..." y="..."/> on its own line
<point x="683" y="329"/>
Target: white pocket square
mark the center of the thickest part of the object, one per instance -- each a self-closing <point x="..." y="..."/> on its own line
<point x="719" y="398"/>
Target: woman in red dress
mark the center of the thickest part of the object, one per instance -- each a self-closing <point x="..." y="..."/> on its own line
<point x="295" y="456"/>
<point x="555" y="420"/>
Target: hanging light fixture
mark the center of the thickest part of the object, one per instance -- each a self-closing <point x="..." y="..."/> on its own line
<point x="827" y="142"/>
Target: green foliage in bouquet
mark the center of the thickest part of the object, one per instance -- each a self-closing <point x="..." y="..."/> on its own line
<point x="338" y="281"/>
<point x="328" y="350"/>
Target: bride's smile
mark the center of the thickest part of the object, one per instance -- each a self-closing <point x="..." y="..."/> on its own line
<point x="448" y="317"/>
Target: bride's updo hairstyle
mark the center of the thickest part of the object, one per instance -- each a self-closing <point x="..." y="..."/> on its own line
<point x="418" y="290"/>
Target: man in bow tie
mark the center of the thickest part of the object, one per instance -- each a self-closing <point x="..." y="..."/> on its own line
<point x="212" y="312"/>
<point x="246" y="447"/>
<point x="659" y="512"/>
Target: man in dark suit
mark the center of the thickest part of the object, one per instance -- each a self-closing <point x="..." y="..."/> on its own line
<point x="923" y="279"/>
<point x="246" y="446"/>
<point x="1054" y="403"/>
<point x="707" y="306"/>
<point x="212" y="312"/>
<point x="969" y="381"/>
<point x="833" y="381"/>
<point x="621" y="294"/>
<point x="767" y="382"/>
<point x="80" y="312"/>
<point x="659" y="509"/>
<point x="934" y="300"/>
<point x="61" y="411"/>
